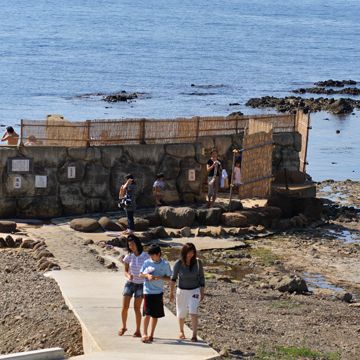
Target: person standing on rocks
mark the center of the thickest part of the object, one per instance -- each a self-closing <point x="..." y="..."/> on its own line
<point x="214" y="170"/>
<point x="127" y="201"/>
<point x="133" y="262"/>
<point x="10" y="136"/>
<point x="158" y="189"/>
<point x="189" y="273"/>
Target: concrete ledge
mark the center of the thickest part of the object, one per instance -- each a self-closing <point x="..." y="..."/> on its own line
<point x="45" y="354"/>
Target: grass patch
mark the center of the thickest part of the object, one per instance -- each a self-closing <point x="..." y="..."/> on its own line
<point x="266" y="256"/>
<point x="293" y="353"/>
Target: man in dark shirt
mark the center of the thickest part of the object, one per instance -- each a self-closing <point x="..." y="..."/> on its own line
<point x="214" y="169"/>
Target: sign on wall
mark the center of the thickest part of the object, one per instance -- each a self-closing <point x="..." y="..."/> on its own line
<point x="191" y="175"/>
<point x="19" y="165"/>
<point x="17" y="182"/>
<point x="40" y="181"/>
<point x="71" y="173"/>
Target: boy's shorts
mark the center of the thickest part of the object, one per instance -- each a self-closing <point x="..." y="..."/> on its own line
<point x="131" y="289"/>
<point x="187" y="301"/>
<point x="153" y="305"/>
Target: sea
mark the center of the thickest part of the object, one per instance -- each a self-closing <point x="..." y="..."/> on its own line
<point x="52" y="53"/>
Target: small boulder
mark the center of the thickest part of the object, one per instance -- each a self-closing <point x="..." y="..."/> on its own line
<point x="2" y="243"/>
<point x="185" y="231"/>
<point x="109" y="225"/>
<point x="291" y="284"/>
<point x="176" y="217"/>
<point x="159" y="232"/>
<point x="235" y="205"/>
<point x="85" y="225"/>
<point x="28" y="244"/>
<point x="210" y="216"/>
<point x="154" y="219"/>
<point x="140" y="223"/>
<point x="234" y="219"/>
<point x="9" y="241"/>
<point x="145" y="237"/>
<point x="345" y="296"/>
<point x="7" y="226"/>
<point x="118" y="241"/>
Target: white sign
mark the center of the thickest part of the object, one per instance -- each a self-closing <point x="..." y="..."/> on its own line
<point x="192" y="175"/>
<point x="22" y="165"/>
<point x="17" y="182"/>
<point x="71" y="172"/>
<point x="40" y="181"/>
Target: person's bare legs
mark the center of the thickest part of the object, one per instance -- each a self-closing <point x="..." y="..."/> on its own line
<point x="194" y="325"/>
<point x="124" y="314"/>
<point x="146" y="325"/>
<point x="152" y="328"/>
<point x="137" y="306"/>
<point x="181" y="325"/>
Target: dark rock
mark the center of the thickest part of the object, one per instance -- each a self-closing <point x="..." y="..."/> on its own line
<point x="2" y="243"/>
<point x="234" y="219"/>
<point x="346" y="297"/>
<point x="7" y="226"/>
<point x="154" y="219"/>
<point x="85" y="225"/>
<point x="112" y="266"/>
<point x="88" y="242"/>
<point x="235" y="205"/>
<point x="118" y="241"/>
<point x="140" y="223"/>
<point x="341" y="106"/>
<point x="159" y="233"/>
<point x="176" y="217"/>
<point x="121" y="96"/>
<point x="100" y="259"/>
<point x="210" y="216"/>
<point x="28" y="244"/>
<point x="9" y="241"/>
<point x="235" y="113"/>
<point x="335" y="83"/>
<point x="145" y="236"/>
<point x="109" y="225"/>
<point x="291" y="284"/>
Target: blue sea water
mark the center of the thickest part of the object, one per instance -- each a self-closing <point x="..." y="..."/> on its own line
<point x="52" y="51"/>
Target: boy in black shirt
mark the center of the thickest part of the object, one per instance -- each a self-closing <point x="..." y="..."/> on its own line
<point x="214" y="169"/>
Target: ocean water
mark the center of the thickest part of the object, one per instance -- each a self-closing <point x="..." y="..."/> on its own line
<point x="51" y="52"/>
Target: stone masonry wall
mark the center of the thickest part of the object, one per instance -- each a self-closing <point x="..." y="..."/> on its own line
<point x="101" y="170"/>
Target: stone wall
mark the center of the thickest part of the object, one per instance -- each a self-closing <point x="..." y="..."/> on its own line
<point x="101" y="170"/>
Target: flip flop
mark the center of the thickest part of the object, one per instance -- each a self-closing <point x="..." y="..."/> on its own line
<point x="137" y="334"/>
<point x="145" y="339"/>
<point x="122" y="331"/>
<point x="182" y="336"/>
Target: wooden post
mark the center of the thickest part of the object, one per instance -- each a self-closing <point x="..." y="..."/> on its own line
<point x="21" y="132"/>
<point x="197" y="127"/>
<point x="235" y="152"/>
<point x="142" y="132"/>
<point x="88" y="133"/>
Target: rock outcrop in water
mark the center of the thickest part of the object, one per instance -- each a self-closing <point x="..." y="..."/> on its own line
<point x="292" y="103"/>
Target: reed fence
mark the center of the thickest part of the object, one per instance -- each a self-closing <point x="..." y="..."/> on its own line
<point x="56" y="131"/>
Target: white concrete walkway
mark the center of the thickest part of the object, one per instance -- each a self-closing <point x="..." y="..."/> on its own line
<point x="96" y="299"/>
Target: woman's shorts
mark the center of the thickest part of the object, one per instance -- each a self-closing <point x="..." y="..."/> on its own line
<point x="153" y="305"/>
<point x="187" y="301"/>
<point x="132" y="289"/>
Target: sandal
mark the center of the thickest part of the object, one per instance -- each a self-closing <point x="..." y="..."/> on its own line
<point x="194" y="339"/>
<point x="145" y="339"/>
<point x="182" y="336"/>
<point x="137" y="334"/>
<point x="122" y="331"/>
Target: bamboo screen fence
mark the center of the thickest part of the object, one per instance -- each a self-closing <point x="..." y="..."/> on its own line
<point x="302" y="125"/>
<point x="256" y="165"/>
<point x="56" y="131"/>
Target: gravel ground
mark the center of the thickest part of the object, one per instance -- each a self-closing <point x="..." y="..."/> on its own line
<point x="241" y="322"/>
<point x="33" y="314"/>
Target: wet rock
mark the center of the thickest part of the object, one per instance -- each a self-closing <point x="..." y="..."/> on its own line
<point x="176" y="217"/>
<point x="109" y="225"/>
<point x="7" y="226"/>
<point x="335" y="83"/>
<point x="121" y="96"/>
<point x="235" y="113"/>
<point x="341" y="106"/>
<point x="85" y="225"/>
<point x="291" y="284"/>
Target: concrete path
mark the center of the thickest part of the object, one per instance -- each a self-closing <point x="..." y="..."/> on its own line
<point x="96" y="299"/>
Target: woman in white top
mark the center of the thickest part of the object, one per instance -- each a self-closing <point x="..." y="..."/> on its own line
<point x="133" y="262"/>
